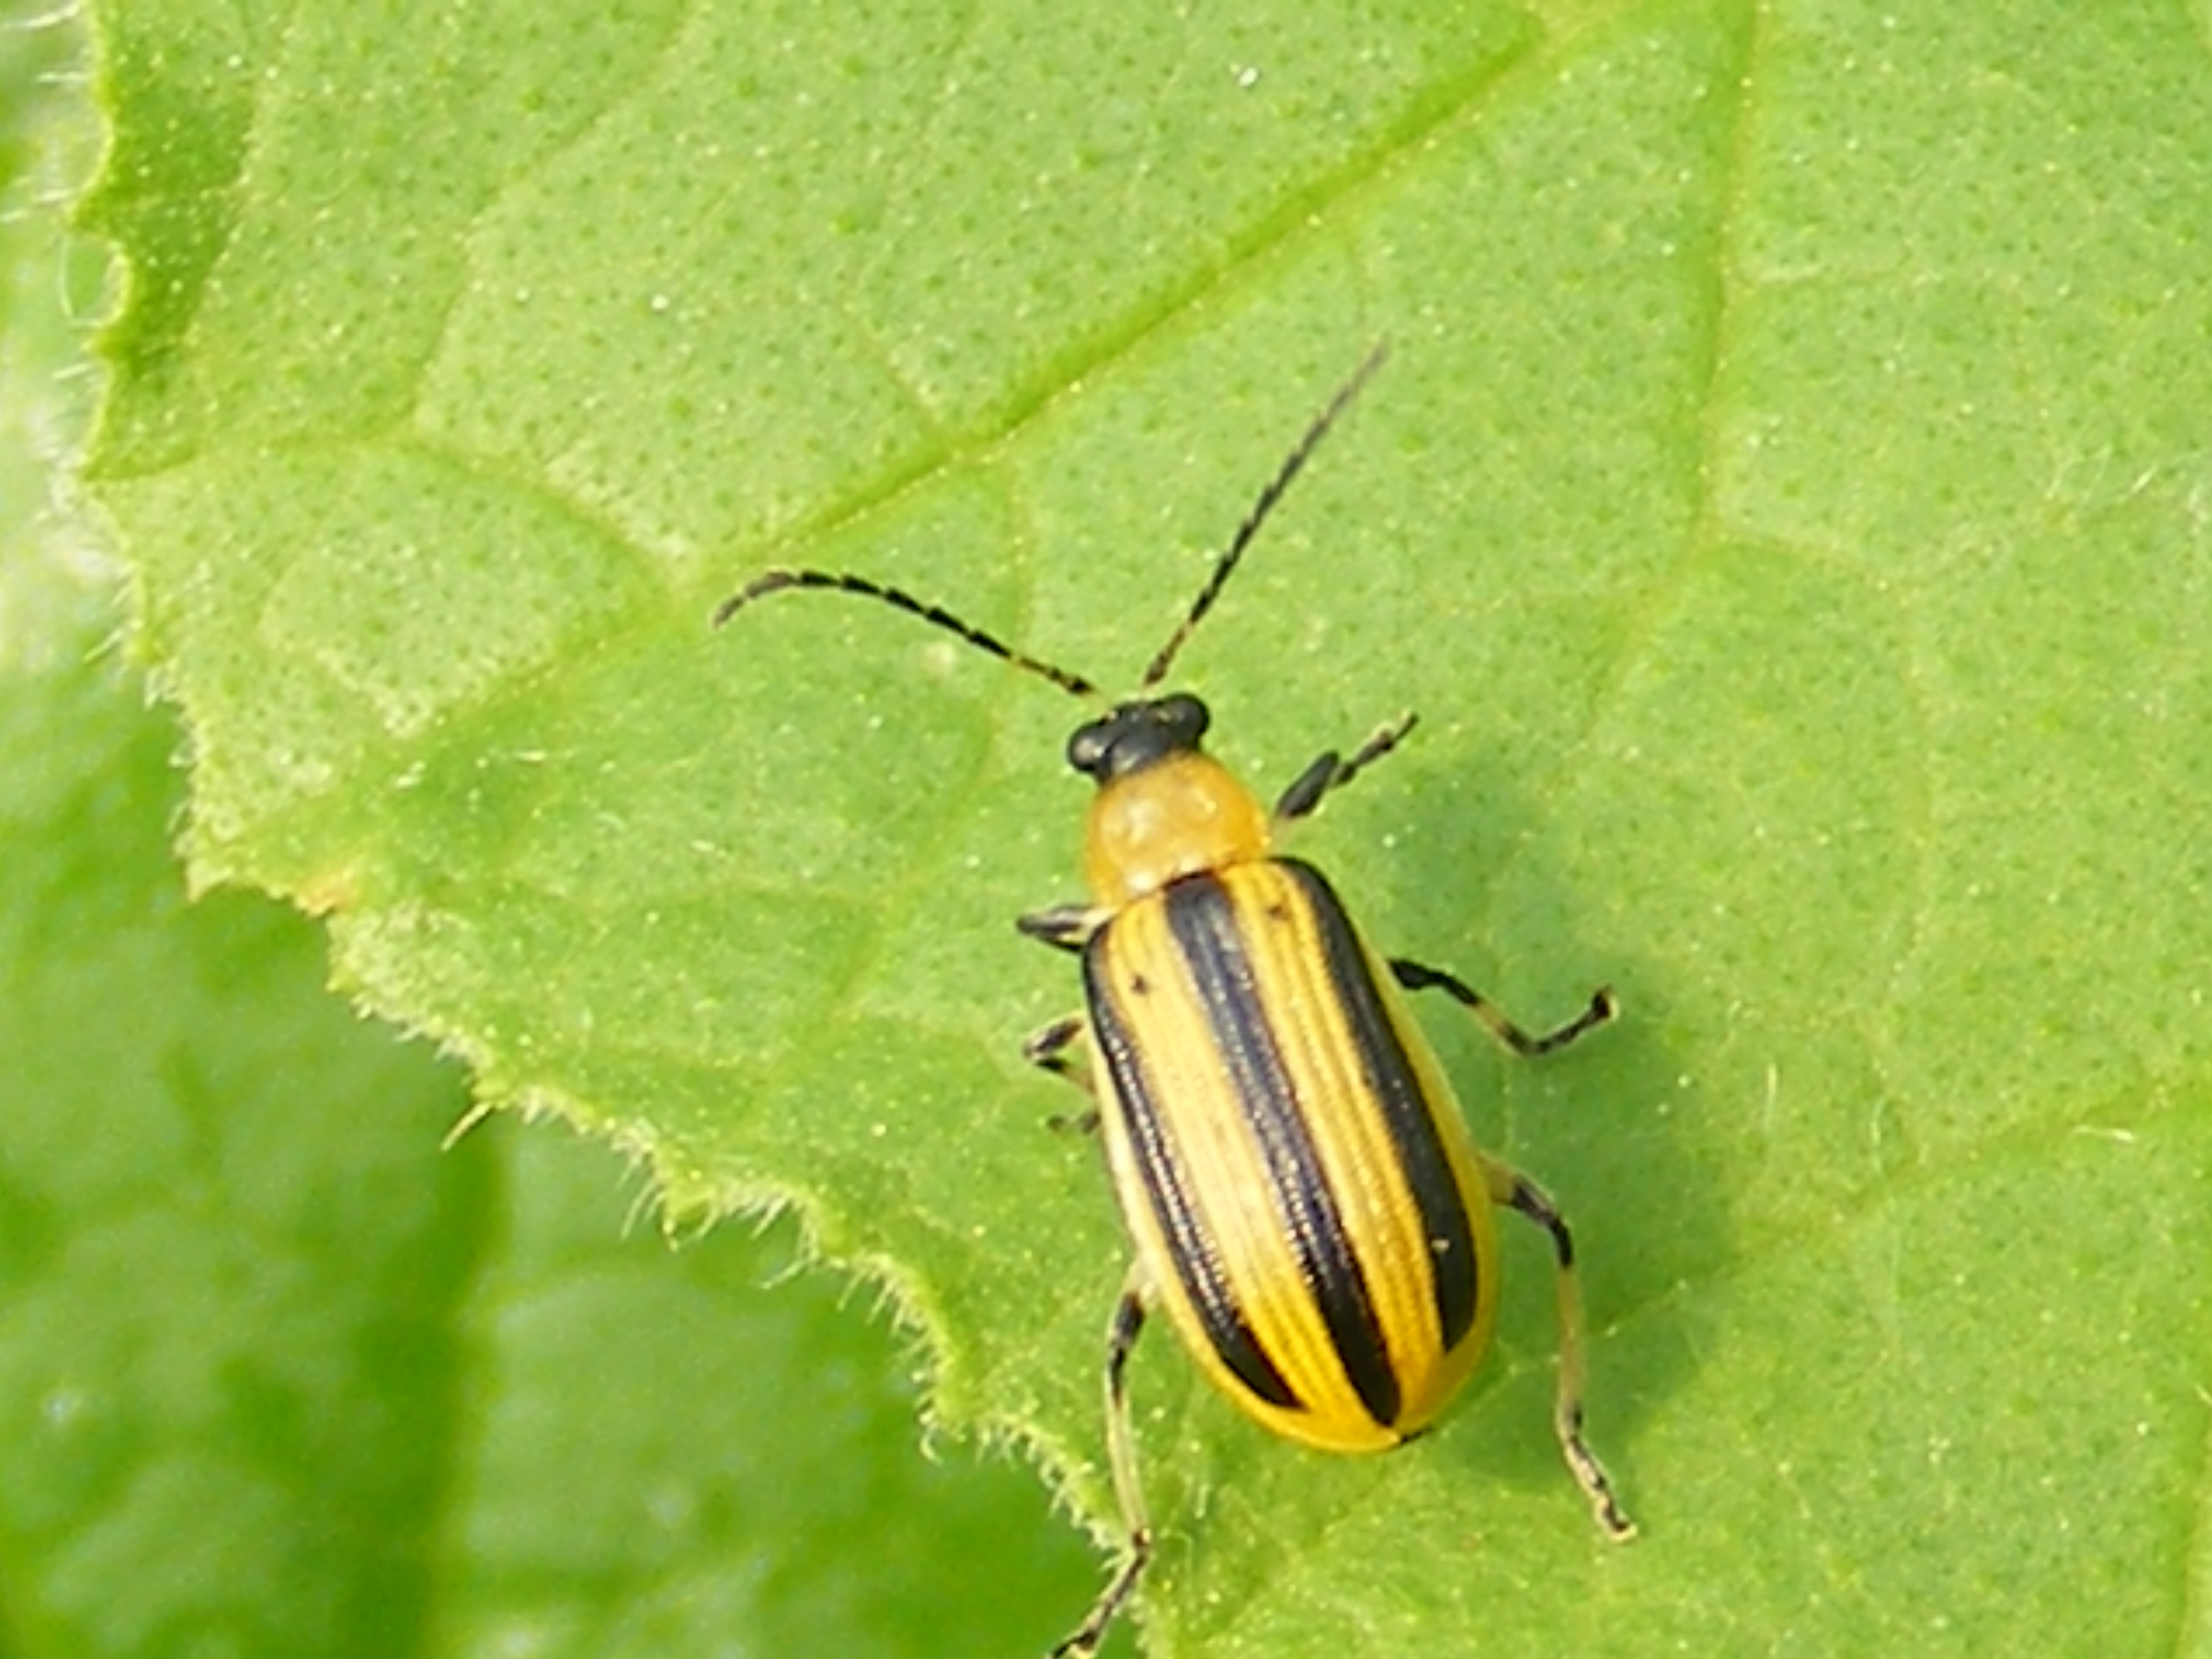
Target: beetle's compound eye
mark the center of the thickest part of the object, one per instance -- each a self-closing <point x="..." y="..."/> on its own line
<point x="1088" y="748"/>
<point x="1183" y="719"/>
<point x="1137" y="735"/>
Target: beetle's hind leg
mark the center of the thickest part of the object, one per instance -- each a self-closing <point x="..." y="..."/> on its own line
<point x="1121" y="1332"/>
<point x="1508" y="1187"/>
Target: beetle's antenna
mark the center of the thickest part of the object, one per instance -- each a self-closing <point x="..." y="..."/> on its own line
<point x="775" y="581"/>
<point x="1294" y="464"/>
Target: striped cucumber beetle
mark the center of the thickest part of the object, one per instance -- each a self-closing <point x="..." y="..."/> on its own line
<point x="1301" y="1194"/>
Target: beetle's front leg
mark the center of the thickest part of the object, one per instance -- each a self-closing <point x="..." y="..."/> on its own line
<point x="1330" y="772"/>
<point x="1063" y="926"/>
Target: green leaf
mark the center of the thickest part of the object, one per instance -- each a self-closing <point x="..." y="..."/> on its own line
<point x="1784" y="505"/>
<point x="278" y="1376"/>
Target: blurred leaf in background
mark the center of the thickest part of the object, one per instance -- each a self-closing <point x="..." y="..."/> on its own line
<point x="279" y="1377"/>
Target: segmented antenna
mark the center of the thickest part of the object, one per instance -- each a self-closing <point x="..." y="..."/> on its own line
<point x="775" y="581"/>
<point x="1294" y="464"/>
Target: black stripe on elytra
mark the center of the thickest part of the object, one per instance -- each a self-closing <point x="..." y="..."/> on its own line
<point x="1423" y="1164"/>
<point x="1203" y="921"/>
<point x="1195" y="1257"/>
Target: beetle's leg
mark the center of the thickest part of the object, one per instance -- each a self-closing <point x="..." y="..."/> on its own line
<point x="1121" y="1332"/>
<point x="1508" y="1187"/>
<point x="1329" y="772"/>
<point x="1048" y="1049"/>
<point x="1602" y="1007"/>
<point x="1063" y="926"/>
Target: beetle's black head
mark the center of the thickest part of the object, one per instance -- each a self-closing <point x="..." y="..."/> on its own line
<point x="1136" y="735"/>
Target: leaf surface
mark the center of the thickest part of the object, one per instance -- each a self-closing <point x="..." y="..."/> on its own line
<point x="1784" y="506"/>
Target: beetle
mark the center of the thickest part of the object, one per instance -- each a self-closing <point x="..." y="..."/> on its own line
<point x="1301" y="1194"/>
